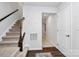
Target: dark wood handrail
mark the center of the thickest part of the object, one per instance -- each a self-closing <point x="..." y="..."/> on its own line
<point x="21" y="47"/>
<point x="8" y="15"/>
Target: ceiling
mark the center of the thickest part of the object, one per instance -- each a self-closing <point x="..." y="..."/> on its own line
<point x="51" y="4"/>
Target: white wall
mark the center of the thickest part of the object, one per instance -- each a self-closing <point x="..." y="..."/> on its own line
<point x="75" y="29"/>
<point x="51" y="29"/>
<point x="6" y="8"/>
<point x="33" y="24"/>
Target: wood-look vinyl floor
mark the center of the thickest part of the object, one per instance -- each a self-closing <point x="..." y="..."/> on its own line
<point x="54" y="51"/>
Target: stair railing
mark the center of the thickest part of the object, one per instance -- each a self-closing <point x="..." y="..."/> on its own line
<point x="21" y="38"/>
<point x="9" y="15"/>
<point x="21" y="42"/>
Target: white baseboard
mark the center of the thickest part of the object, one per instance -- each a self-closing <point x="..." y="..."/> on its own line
<point x="66" y="52"/>
<point x="25" y="45"/>
<point x="7" y="30"/>
<point x="35" y="48"/>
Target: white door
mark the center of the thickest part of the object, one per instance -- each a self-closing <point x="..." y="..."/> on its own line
<point x="63" y="29"/>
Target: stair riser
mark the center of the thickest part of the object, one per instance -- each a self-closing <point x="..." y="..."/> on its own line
<point x="14" y="30"/>
<point x="12" y="34"/>
<point x="9" y="45"/>
<point x="15" y="27"/>
<point x="10" y="38"/>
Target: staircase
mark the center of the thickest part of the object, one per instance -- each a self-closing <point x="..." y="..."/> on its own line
<point x="12" y="37"/>
<point x="9" y="44"/>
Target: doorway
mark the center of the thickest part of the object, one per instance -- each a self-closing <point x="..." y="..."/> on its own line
<point x="48" y="30"/>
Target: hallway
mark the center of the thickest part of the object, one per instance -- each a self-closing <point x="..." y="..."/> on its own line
<point x="45" y="42"/>
<point x="49" y="29"/>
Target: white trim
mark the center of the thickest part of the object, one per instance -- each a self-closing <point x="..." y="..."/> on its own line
<point x="66" y="52"/>
<point x="53" y="44"/>
<point x="35" y="48"/>
<point x="7" y="30"/>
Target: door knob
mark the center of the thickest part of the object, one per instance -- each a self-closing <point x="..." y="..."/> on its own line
<point x="67" y="35"/>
